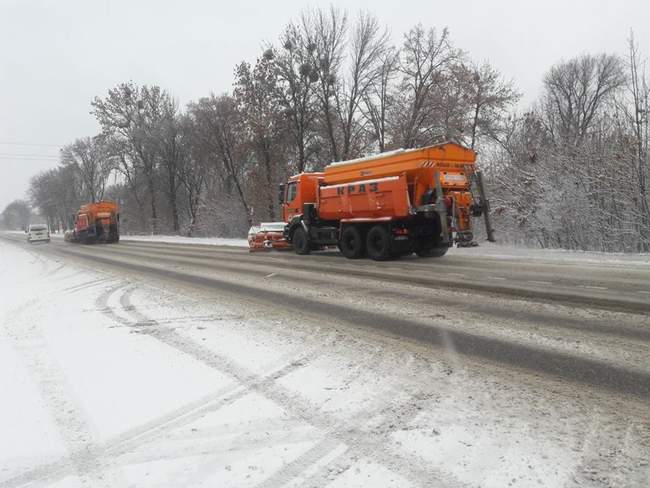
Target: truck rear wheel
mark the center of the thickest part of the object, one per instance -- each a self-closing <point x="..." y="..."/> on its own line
<point x="300" y="241"/>
<point x="378" y="243"/>
<point x="352" y="244"/>
<point x="433" y="252"/>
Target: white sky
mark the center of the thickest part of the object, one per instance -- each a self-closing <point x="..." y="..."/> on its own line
<point x="55" y="56"/>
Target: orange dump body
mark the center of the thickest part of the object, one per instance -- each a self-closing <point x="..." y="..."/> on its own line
<point x="416" y="169"/>
<point x="99" y="212"/>
<point x="383" y="198"/>
<point x="452" y="160"/>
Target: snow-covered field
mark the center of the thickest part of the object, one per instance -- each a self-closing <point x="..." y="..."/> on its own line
<point x="113" y="381"/>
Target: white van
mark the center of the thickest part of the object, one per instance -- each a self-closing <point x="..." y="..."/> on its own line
<point x="38" y="232"/>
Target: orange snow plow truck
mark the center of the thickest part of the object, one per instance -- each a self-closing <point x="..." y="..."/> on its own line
<point x="95" y="222"/>
<point x="391" y="204"/>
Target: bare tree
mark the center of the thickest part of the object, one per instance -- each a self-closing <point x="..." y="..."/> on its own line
<point x="171" y="157"/>
<point x="379" y="98"/>
<point x="296" y="76"/>
<point x="576" y="90"/>
<point x="367" y="46"/>
<point x="219" y="126"/>
<point x="639" y="91"/>
<point x="263" y="129"/>
<point x="56" y="193"/>
<point x="133" y="116"/>
<point x="92" y="159"/>
<point x="425" y="60"/>
<point x="194" y="169"/>
<point x="325" y="32"/>
<point x="128" y="168"/>
<point x="16" y="215"/>
<point x="490" y="99"/>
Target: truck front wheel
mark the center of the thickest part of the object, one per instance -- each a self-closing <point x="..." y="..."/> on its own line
<point x="351" y="243"/>
<point x="378" y="243"/>
<point x="300" y="241"/>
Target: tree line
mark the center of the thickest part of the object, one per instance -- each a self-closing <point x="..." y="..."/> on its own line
<point x="570" y="172"/>
<point x="573" y="172"/>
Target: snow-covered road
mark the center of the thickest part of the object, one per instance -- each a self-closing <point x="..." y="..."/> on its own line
<point x="117" y="379"/>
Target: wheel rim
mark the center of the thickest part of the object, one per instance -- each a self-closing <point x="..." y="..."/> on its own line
<point x="351" y="243"/>
<point x="376" y="244"/>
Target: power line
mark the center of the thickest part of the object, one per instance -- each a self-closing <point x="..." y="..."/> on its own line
<point x="30" y="144"/>
<point x="29" y="155"/>
<point x="13" y="158"/>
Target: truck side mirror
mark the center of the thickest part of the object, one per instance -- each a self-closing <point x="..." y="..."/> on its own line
<point x="281" y="194"/>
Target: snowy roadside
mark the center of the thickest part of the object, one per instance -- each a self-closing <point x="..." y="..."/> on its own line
<point x="119" y="382"/>
<point x="506" y="251"/>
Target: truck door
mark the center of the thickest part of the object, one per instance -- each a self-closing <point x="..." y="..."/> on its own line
<point x="291" y="201"/>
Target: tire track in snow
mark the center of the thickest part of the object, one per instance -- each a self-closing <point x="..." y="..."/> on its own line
<point x="74" y="427"/>
<point x="54" y="271"/>
<point x="88" y="284"/>
<point x="101" y="302"/>
<point x="561" y="365"/>
<point x="418" y="275"/>
<point x="134" y="438"/>
<point x="304" y="410"/>
<point x="362" y="444"/>
<point x="595" y="325"/>
<point x="363" y="436"/>
<point x="141" y="320"/>
<point x="131" y="440"/>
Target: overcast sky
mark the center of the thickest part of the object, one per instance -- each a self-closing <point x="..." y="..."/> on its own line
<point x="55" y="56"/>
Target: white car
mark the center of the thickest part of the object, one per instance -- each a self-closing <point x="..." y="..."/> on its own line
<point x="38" y="232"/>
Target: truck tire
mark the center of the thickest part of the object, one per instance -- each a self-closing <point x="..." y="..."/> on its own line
<point x="352" y="244"/>
<point x="300" y="241"/>
<point x="378" y="243"/>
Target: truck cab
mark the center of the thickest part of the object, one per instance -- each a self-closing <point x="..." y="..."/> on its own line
<point x="300" y="189"/>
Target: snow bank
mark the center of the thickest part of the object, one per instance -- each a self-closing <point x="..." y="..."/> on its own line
<point x="210" y="241"/>
<point x="510" y="252"/>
